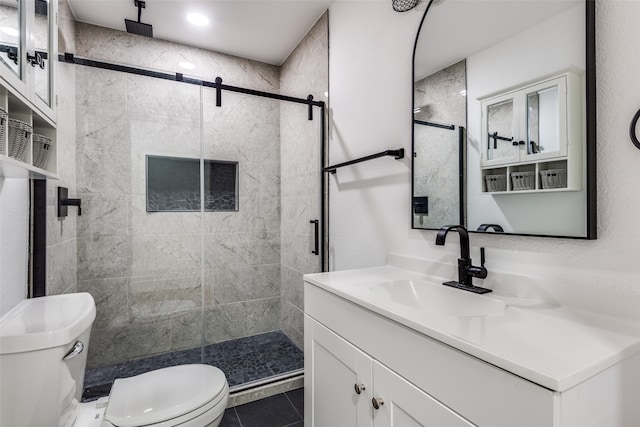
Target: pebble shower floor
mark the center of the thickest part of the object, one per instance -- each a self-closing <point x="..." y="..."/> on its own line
<point x="243" y="360"/>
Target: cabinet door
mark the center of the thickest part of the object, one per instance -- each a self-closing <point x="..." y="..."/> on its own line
<point x="500" y="130"/>
<point x="405" y="405"/>
<point x="333" y="368"/>
<point x="41" y="58"/>
<point x="545" y="120"/>
<point x="12" y="37"/>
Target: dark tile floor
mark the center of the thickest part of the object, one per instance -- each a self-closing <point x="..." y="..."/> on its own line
<point x="281" y="410"/>
<point x="242" y="360"/>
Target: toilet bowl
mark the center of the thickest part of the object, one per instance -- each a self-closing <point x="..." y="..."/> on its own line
<point x="186" y="395"/>
<point x="43" y="347"/>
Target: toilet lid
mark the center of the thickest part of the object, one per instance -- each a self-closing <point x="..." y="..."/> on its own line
<point x="162" y="394"/>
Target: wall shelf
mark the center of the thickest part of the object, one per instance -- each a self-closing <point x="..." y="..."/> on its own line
<point x="538" y="180"/>
<point x="550" y="190"/>
<point x="19" y="108"/>
<point x="12" y="168"/>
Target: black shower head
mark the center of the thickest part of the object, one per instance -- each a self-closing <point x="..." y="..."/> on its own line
<point x="139" y="28"/>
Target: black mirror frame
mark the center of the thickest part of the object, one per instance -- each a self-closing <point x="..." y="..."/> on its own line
<point x="590" y="129"/>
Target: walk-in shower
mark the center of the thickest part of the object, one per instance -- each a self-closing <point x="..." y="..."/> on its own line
<point x="195" y="226"/>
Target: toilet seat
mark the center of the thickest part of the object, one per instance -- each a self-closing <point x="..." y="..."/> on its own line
<point x="168" y="397"/>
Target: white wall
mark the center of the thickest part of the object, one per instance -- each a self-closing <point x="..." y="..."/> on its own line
<point x="14" y="233"/>
<point x="370" y="82"/>
<point x="370" y="57"/>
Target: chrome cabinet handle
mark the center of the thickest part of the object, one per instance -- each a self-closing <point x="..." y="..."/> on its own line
<point x="377" y="402"/>
<point x="78" y="347"/>
<point x="359" y="388"/>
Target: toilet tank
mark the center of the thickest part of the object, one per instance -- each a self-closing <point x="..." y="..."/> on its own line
<point x="43" y="352"/>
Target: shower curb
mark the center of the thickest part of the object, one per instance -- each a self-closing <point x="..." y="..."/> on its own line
<point x="267" y="390"/>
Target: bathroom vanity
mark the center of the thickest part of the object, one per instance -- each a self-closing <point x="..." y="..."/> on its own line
<point x="391" y="346"/>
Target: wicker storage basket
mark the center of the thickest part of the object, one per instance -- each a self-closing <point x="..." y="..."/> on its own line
<point x="3" y="129"/>
<point x="553" y="178"/>
<point x="41" y="145"/>
<point x="496" y="182"/>
<point x="523" y="180"/>
<point x="19" y="137"/>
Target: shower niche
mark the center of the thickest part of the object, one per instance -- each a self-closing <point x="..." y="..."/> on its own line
<point x="173" y="184"/>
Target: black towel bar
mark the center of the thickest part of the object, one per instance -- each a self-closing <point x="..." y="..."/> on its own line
<point x="398" y="154"/>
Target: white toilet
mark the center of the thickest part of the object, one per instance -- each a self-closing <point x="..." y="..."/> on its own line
<point x="43" y="353"/>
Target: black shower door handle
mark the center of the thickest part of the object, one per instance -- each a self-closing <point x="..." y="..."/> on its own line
<point x="316" y="241"/>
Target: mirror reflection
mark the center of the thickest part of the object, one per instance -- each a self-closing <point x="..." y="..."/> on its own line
<point x="499" y="117"/>
<point x="10" y="35"/>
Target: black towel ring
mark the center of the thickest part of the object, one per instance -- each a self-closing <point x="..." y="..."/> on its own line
<point x="632" y="130"/>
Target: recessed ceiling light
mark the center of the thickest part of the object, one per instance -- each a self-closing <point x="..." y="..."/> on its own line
<point x="10" y="31"/>
<point x="197" y="19"/>
<point x="187" y="65"/>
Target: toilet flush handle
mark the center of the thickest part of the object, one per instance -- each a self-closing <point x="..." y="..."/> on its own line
<point x="78" y="347"/>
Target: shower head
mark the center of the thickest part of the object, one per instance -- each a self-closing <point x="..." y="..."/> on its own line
<point x="139" y="28"/>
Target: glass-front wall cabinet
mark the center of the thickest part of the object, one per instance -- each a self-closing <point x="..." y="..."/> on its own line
<point x="527" y="140"/>
<point x="28" y="38"/>
<point x="526" y="124"/>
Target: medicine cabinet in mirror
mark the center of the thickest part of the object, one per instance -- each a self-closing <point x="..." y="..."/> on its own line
<point x="504" y="117"/>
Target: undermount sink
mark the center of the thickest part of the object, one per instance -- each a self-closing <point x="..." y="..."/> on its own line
<point x="436" y="298"/>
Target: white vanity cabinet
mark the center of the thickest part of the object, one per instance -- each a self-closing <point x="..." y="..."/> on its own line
<point x="420" y="381"/>
<point x="352" y="389"/>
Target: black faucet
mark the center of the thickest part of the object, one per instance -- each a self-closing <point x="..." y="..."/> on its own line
<point x="64" y="201"/>
<point x="466" y="271"/>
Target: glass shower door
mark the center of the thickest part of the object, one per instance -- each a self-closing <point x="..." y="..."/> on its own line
<point x="255" y="256"/>
<point x="302" y="239"/>
<point x="143" y="267"/>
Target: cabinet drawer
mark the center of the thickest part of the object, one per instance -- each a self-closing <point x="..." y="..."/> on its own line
<point x="485" y="395"/>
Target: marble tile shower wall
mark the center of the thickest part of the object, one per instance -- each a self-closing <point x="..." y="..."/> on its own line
<point x="304" y="72"/>
<point x="61" y="233"/>
<point x="144" y="269"/>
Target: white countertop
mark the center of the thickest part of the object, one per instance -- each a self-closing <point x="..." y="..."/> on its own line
<point x="554" y="346"/>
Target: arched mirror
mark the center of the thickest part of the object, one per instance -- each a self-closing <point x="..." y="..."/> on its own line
<point x="504" y="117"/>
